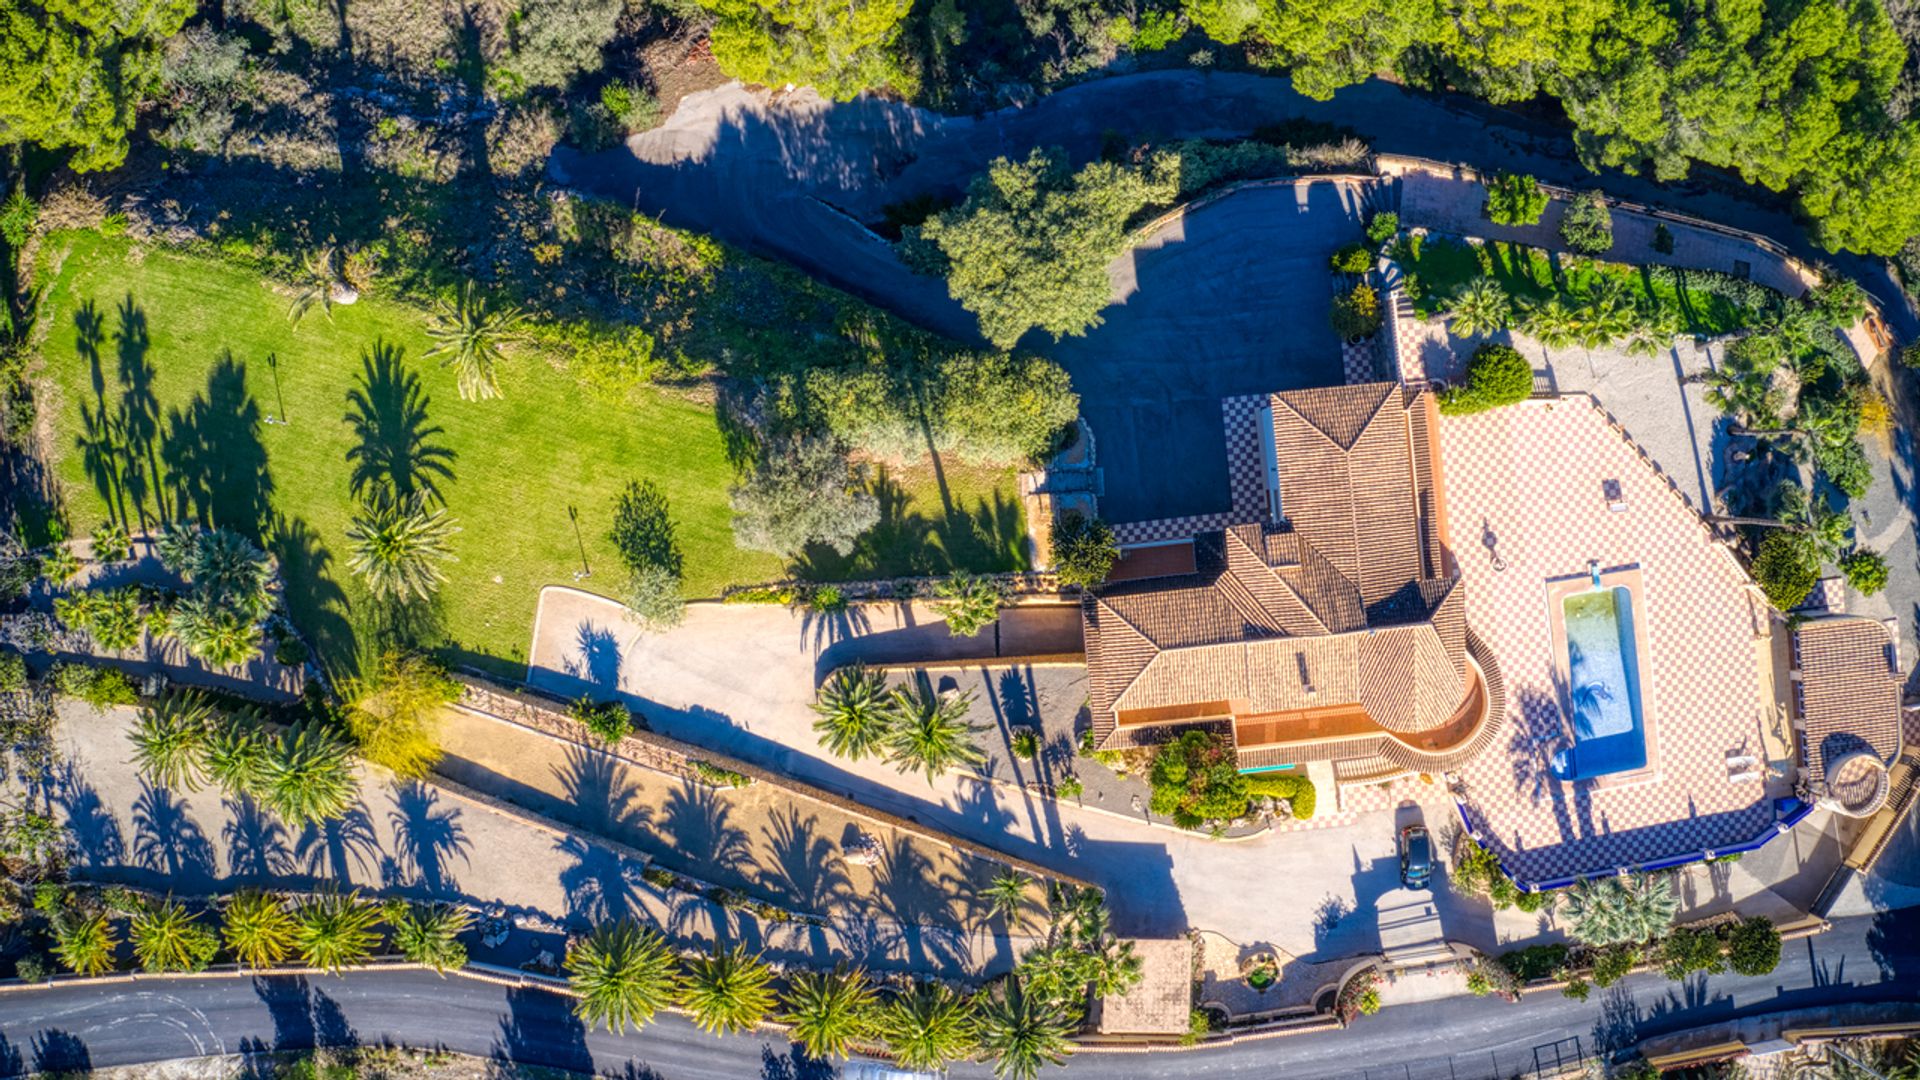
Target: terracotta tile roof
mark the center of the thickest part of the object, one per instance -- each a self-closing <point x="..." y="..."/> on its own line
<point x="1849" y="695"/>
<point x="1336" y="606"/>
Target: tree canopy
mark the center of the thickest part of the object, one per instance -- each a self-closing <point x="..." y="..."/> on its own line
<point x="839" y="49"/>
<point x="74" y="74"/>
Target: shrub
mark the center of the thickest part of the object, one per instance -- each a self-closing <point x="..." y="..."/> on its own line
<point x="1753" y="946"/>
<point x="1587" y="226"/>
<point x="1352" y="259"/>
<point x="1866" y="570"/>
<point x="554" y="40"/>
<point x="167" y="937"/>
<point x="1688" y="950"/>
<point x="13" y="673"/>
<point x="1534" y="961"/>
<point x="718" y="776"/>
<point x="1356" y="313"/>
<point x="827" y="599"/>
<point x="98" y="687"/>
<point x="32" y="968"/>
<point x="654" y="598"/>
<point x="1195" y="780"/>
<point x="1786" y="567"/>
<point x="1382" y="227"/>
<point x="1662" y="239"/>
<point x="1026" y="743"/>
<point x="633" y="108"/>
<point x="1610" y="965"/>
<point x="1291" y="786"/>
<point x="110" y="542"/>
<point x="1496" y="375"/>
<point x="1515" y="199"/>
<point x="1577" y="987"/>
<point x="969" y="604"/>
<point x="1910" y="356"/>
<point x="18" y="215"/>
<point x="1084" y="550"/>
<point x="609" y="721"/>
<point x="1070" y="787"/>
<point x="1532" y="902"/>
<point x="394" y="716"/>
<point x="807" y="493"/>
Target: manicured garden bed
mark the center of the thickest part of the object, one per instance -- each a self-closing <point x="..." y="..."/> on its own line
<point x="1530" y="275"/>
<point x="194" y="364"/>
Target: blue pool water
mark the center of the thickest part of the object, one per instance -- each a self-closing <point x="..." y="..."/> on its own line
<point x="1604" y="686"/>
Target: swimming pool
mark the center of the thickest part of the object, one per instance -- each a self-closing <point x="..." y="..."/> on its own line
<point x="1603" y="686"/>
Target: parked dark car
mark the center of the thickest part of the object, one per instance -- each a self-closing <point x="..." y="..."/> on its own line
<point x="1416" y="857"/>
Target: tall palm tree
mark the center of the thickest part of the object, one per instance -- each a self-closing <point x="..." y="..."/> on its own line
<point x="310" y="777"/>
<point x="84" y="943"/>
<point x="928" y="731"/>
<point x="1551" y="323"/>
<point x="258" y="928"/>
<point x="335" y="931"/>
<point x="467" y="334"/>
<point x="1007" y="895"/>
<point x="228" y="567"/>
<point x="727" y="990"/>
<point x="397" y="544"/>
<point x="1021" y="1033"/>
<point x="829" y="1011"/>
<point x="430" y="934"/>
<point x="853" y="712"/>
<point x="1608" y="313"/>
<point x="928" y="1027"/>
<point x="167" y="937"/>
<point x="623" y="975"/>
<point x="170" y="739"/>
<point x="1481" y="306"/>
<point x="1655" y="326"/>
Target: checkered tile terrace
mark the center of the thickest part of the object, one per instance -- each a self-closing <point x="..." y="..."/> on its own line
<point x="1530" y="497"/>
<point x="1247" y="485"/>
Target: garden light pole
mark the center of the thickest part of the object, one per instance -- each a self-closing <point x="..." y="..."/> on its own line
<point x="573" y="515"/>
<point x="273" y="365"/>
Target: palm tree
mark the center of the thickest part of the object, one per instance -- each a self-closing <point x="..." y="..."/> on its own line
<point x="467" y="333"/>
<point x="398" y="543"/>
<point x="853" y="712"/>
<point x="1551" y="323"/>
<point x="167" y="937"/>
<point x="228" y="567"/>
<point x="829" y="1011"/>
<point x="321" y="274"/>
<point x="1021" y="1033"/>
<point x="430" y="934"/>
<point x="1608" y="314"/>
<point x="622" y="974"/>
<point x="1481" y="306"/>
<point x="928" y="731"/>
<point x="1621" y="910"/>
<point x="1655" y="327"/>
<point x="259" y="930"/>
<point x="335" y="931"/>
<point x="84" y="943"/>
<point x="309" y="777"/>
<point x="1007" y="895"/>
<point x="928" y="1027"/>
<point x="236" y="758"/>
<point x="213" y="631"/>
<point x="169" y="740"/>
<point x="727" y="991"/>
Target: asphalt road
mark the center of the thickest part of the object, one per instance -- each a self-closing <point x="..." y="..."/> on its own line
<point x="1874" y="958"/>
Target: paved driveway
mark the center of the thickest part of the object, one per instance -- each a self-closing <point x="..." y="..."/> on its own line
<point x="1231" y="299"/>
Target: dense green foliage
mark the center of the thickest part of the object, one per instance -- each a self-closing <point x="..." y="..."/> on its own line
<point x="1030" y="246"/>
<point x="335" y="931"/>
<point x="623" y="974"/>
<point x="1691" y="949"/>
<point x="643" y="534"/>
<point x="1291" y="785"/>
<point x="1356" y="312"/>
<point x="1084" y="550"/>
<point x="1787" y="567"/>
<point x="1587" y="226"/>
<point x="727" y="991"/>
<point x="987" y="408"/>
<point x="1195" y="780"/>
<point x="1753" y="946"/>
<point x="854" y="708"/>
<point x="1079" y="958"/>
<point x="1022" y="1033"/>
<point x="609" y="721"/>
<point x="1496" y="375"/>
<point x="1866" y="570"/>
<point x="168" y="937"/>
<point x="928" y="731"/>
<point x="928" y="1026"/>
<point x="828" y="1012"/>
<point x="839" y="49"/>
<point x="967" y="603"/>
<point x="1515" y="200"/>
<point x="1621" y="910"/>
<point x="258" y="928"/>
<point x="73" y="75"/>
<point x="393" y="713"/>
<point x="554" y="40"/>
<point x="807" y="493"/>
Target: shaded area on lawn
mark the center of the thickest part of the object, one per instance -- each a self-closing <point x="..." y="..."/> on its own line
<point x="191" y="397"/>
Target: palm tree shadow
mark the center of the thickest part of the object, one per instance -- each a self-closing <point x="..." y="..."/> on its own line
<point x="216" y="464"/>
<point x="429" y="837"/>
<point x="339" y="848"/>
<point x="95" y="828"/>
<point x="317" y="603"/>
<point x="804" y="868"/>
<point x="596" y="786"/>
<point x="258" y="849"/>
<point x="397" y="449"/>
<point x="820" y="630"/>
<point x="168" y="841"/>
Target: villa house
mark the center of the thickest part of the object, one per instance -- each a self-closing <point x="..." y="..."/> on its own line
<point x="1516" y="603"/>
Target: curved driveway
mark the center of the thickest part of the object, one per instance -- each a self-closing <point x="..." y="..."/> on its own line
<point x="1461" y="1038"/>
<point x="782" y="178"/>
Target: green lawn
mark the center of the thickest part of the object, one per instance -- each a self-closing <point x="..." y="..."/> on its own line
<point x="1530" y="274"/>
<point x="183" y="364"/>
